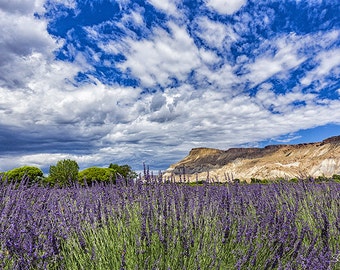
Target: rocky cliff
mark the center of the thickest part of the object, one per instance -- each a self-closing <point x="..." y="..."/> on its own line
<point x="270" y="162"/>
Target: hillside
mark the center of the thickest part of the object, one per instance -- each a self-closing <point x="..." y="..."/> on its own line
<point x="270" y="162"/>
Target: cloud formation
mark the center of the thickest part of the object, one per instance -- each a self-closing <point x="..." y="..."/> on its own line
<point x="164" y="57"/>
<point x="147" y="82"/>
<point x="225" y="7"/>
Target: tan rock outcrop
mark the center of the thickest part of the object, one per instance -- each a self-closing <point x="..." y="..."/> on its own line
<point x="270" y="162"/>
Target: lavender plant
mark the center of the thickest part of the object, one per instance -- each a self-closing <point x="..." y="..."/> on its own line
<point x="156" y="225"/>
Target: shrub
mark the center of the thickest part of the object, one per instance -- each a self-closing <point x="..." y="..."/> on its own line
<point x="321" y="178"/>
<point x="255" y="180"/>
<point x="294" y="180"/>
<point x="97" y="174"/>
<point x="33" y="174"/>
<point x="124" y="171"/>
<point x="336" y="177"/>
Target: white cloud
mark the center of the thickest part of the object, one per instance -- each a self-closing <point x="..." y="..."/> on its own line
<point x="47" y="159"/>
<point x="137" y="18"/>
<point x="215" y="34"/>
<point x="163" y="57"/>
<point x="22" y="38"/>
<point x="72" y="4"/>
<point x="208" y="57"/>
<point x="173" y="120"/>
<point x="226" y="7"/>
<point x="22" y="34"/>
<point x="22" y="6"/>
<point x="60" y="102"/>
<point x="329" y="61"/>
<point x="284" y="58"/>
<point x="284" y="102"/>
<point x="167" y="6"/>
<point x="221" y="78"/>
<point x="38" y="93"/>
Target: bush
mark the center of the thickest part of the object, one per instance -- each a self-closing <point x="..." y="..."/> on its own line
<point x="336" y="177"/>
<point x="322" y="178"/>
<point x="124" y="171"/>
<point x="64" y="172"/>
<point x="97" y="174"/>
<point x="255" y="180"/>
<point x="294" y="180"/>
<point x="33" y="174"/>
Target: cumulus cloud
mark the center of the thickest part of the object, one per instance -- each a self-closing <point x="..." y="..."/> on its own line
<point x="23" y="37"/>
<point x="157" y="102"/>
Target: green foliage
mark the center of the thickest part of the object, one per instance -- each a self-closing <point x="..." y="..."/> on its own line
<point x="124" y="170"/>
<point x="97" y="174"/>
<point x="294" y="180"/>
<point x="34" y="174"/>
<point x="197" y="183"/>
<point x="267" y="181"/>
<point x="336" y="177"/>
<point x="322" y="178"/>
<point x="64" y="172"/>
<point x="255" y="180"/>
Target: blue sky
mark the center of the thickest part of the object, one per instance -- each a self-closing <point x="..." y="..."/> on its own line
<point x="129" y="82"/>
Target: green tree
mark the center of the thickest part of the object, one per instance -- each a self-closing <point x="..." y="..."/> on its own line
<point x="64" y="172"/>
<point x="123" y="170"/>
<point x="34" y="174"/>
<point x="97" y="174"/>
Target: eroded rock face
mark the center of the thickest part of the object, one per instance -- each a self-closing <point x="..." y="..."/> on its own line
<point x="270" y="162"/>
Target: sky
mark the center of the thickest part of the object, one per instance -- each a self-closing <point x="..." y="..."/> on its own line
<point x="133" y="82"/>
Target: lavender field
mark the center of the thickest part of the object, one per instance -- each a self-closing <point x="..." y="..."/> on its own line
<point x="170" y="226"/>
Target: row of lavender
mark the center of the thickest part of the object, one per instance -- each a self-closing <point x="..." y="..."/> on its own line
<point x="171" y="226"/>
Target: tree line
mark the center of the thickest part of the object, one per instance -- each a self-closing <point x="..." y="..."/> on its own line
<point x="66" y="172"/>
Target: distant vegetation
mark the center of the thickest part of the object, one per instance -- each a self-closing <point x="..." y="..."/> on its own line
<point x="66" y="172"/>
<point x="319" y="179"/>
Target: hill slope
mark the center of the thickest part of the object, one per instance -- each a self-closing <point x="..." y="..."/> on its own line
<point x="270" y="162"/>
